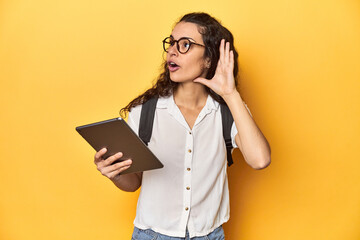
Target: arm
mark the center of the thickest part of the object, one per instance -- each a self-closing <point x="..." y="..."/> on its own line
<point x="128" y="182"/>
<point x="251" y="141"/>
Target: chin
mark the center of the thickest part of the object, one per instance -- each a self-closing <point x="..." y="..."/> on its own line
<point x="181" y="78"/>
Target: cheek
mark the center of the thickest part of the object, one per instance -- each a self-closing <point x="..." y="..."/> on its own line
<point x="193" y="66"/>
<point x="196" y="65"/>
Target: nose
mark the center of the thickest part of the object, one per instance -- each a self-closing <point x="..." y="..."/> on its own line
<point x="172" y="50"/>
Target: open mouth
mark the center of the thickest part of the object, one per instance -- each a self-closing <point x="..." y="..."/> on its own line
<point x="173" y="66"/>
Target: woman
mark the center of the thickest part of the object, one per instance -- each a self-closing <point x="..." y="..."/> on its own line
<point x="189" y="198"/>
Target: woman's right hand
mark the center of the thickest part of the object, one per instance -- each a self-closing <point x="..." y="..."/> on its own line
<point x="105" y="167"/>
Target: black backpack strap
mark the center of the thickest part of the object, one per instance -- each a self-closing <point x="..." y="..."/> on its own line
<point x="147" y="119"/>
<point x="227" y="121"/>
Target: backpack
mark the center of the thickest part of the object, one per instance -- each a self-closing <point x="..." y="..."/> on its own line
<point x="147" y="120"/>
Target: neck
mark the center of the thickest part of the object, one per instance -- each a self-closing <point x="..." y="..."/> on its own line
<point x="190" y="95"/>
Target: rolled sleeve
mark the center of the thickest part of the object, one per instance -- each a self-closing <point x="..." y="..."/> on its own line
<point x="234" y="131"/>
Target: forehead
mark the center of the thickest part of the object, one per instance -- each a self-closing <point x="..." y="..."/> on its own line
<point x="186" y="29"/>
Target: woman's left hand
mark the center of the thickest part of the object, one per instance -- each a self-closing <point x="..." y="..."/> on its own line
<point x="223" y="82"/>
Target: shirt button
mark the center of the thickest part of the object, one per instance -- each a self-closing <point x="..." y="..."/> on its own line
<point x="187" y="188"/>
<point x="186" y="208"/>
<point x="189" y="150"/>
<point x="190" y="133"/>
<point x="188" y="169"/>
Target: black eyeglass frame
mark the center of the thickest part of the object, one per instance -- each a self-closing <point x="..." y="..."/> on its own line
<point x="177" y="44"/>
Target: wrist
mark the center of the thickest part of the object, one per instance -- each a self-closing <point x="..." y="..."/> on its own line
<point x="231" y="96"/>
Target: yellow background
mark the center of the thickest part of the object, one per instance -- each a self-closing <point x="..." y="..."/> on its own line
<point x="68" y="63"/>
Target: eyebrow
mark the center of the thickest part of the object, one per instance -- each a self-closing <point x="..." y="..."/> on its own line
<point x="183" y="37"/>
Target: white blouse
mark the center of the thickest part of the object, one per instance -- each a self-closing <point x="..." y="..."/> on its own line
<point x="191" y="190"/>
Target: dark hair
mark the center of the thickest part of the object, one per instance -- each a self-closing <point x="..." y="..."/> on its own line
<point x="212" y="32"/>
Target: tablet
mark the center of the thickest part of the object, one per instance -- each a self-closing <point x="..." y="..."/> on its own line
<point x="117" y="136"/>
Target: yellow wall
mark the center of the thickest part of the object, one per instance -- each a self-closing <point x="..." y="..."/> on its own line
<point x="67" y="63"/>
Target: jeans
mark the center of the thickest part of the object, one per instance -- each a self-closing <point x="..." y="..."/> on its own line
<point x="148" y="234"/>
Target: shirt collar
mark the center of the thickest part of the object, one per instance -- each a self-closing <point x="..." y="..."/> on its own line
<point x="169" y="103"/>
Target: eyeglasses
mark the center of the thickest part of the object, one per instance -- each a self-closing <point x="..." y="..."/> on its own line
<point x="183" y="44"/>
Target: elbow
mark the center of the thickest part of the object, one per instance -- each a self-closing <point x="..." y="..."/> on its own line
<point x="263" y="161"/>
<point x="131" y="189"/>
<point x="262" y="164"/>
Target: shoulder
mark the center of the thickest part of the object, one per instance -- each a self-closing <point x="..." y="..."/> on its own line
<point x="134" y="117"/>
<point x="135" y="112"/>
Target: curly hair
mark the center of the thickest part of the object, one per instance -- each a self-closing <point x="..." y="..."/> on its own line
<point x="212" y="33"/>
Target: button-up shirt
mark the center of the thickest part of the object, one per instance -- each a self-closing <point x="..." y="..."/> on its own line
<point x="191" y="190"/>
